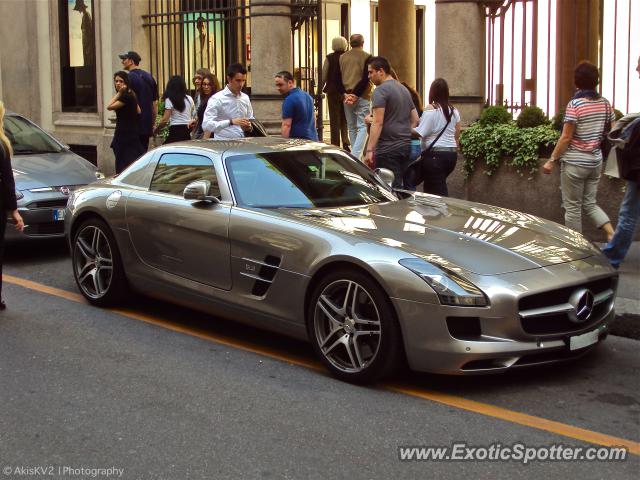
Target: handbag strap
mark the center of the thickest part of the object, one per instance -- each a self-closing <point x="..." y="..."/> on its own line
<point x="439" y="135"/>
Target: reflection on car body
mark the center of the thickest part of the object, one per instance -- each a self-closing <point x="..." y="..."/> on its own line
<point x="300" y="238"/>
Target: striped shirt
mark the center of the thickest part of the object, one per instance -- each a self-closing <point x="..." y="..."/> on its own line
<point x="589" y="117"/>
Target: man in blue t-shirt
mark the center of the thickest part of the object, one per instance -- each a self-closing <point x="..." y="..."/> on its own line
<point x="298" y="114"/>
<point x="146" y="90"/>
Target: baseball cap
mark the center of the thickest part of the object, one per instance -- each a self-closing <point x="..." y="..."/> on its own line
<point x="131" y="55"/>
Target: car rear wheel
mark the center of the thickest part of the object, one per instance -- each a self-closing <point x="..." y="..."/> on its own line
<point x="96" y="264"/>
<point x="353" y="328"/>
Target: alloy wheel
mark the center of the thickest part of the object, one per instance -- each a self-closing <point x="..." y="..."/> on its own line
<point x="93" y="262"/>
<point x="347" y="326"/>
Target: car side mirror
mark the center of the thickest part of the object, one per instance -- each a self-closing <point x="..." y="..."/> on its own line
<point x="385" y="175"/>
<point x="198" y="191"/>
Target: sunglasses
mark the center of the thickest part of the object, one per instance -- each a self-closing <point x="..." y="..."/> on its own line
<point x="206" y="84"/>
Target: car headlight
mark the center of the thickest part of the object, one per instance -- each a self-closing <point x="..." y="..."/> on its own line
<point x="19" y="195"/>
<point x="452" y="289"/>
<point x="99" y="175"/>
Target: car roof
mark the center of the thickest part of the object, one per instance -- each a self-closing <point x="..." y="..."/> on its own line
<point x="252" y="145"/>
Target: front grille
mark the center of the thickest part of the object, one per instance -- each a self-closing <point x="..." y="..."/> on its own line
<point x="556" y="297"/>
<point x="560" y="323"/>
<point x="55" y="203"/>
<point x="547" y="313"/>
<point x="47" y="228"/>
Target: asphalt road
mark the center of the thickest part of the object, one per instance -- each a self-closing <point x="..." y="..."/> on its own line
<point x="151" y="391"/>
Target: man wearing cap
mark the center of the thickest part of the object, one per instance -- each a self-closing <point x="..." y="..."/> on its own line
<point x="146" y="89"/>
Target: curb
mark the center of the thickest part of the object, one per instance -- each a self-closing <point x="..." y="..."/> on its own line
<point x="626" y="325"/>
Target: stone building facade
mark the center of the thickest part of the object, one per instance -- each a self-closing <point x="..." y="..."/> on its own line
<point x="47" y="75"/>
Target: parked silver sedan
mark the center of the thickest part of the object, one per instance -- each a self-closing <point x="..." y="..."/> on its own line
<point x="45" y="171"/>
<point x="300" y="238"/>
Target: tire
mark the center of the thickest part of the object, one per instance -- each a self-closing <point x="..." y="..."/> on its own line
<point x="353" y="327"/>
<point x="97" y="266"/>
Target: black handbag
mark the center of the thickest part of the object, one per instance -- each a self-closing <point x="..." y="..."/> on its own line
<point x="414" y="173"/>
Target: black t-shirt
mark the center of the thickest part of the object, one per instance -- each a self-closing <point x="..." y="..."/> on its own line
<point x="7" y="183"/>
<point x="128" y="119"/>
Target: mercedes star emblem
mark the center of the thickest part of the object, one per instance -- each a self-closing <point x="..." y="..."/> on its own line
<point x="582" y="301"/>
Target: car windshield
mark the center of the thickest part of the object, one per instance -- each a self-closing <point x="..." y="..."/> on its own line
<point x="26" y="138"/>
<point x="303" y="179"/>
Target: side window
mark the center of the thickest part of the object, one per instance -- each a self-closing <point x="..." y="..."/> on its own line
<point x="176" y="170"/>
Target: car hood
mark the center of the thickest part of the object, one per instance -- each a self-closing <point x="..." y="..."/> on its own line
<point x="51" y="169"/>
<point x="478" y="238"/>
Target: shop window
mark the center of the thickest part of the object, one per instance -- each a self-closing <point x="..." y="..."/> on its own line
<point x="78" y="55"/>
<point x="88" y="152"/>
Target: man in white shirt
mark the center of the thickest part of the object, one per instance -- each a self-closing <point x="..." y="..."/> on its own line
<point x="229" y="112"/>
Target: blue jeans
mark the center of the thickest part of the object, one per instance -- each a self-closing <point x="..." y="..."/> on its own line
<point x="619" y="245"/>
<point x="397" y="161"/>
<point x="357" y="128"/>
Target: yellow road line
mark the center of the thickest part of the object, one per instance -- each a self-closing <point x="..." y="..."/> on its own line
<point x="75" y="297"/>
<point x="539" y="423"/>
<point x="439" y="397"/>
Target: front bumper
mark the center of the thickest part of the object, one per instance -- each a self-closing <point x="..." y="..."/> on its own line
<point x="496" y="338"/>
<point x="43" y="217"/>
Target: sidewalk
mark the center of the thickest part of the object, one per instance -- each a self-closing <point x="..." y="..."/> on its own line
<point x="628" y="301"/>
<point x="627" y="323"/>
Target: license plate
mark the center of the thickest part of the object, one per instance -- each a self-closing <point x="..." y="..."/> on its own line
<point x="584" y="340"/>
<point x="58" y="214"/>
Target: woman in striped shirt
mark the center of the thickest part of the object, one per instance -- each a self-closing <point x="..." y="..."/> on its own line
<point x="587" y="119"/>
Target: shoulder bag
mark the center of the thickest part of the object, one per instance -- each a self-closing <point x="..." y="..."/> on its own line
<point x="414" y="174"/>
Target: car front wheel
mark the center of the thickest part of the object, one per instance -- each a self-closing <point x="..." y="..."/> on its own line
<point x="353" y="328"/>
<point x="96" y="264"/>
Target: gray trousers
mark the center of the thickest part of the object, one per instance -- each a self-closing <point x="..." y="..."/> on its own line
<point x="579" y="186"/>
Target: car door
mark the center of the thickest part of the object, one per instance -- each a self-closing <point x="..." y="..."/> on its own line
<point x="182" y="237"/>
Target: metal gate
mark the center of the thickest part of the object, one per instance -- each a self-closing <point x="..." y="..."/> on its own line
<point x="512" y="53"/>
<point x="185" y="35"/>
<point x="306" y="37"/>
<point x="522" y="46"/>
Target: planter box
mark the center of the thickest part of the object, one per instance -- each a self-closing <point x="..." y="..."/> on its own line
<point x="536" y="193"/>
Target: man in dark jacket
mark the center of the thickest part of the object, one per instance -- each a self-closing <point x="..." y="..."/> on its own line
<point x="146" y="90"/>
<point x="629" y="212"/>
<point x="333" y="87"/>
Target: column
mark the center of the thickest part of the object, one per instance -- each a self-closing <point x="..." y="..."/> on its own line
<point x="578" y="27"/>
<point x="270" y="53"/>
<point x="397" y="37"/>
<point x="460" y="54"/>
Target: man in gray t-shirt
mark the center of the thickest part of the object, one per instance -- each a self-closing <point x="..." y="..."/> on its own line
<point x="394" y="117"/>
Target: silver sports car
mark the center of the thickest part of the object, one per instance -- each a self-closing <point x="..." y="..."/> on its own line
<point x="300" y="238"/>
<point x="45" y="171"/>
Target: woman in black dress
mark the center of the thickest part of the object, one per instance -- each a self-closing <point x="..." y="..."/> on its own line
<point x="8" y="203"/>
<point x="126" y="139"/>
<point x="208" y="88"/>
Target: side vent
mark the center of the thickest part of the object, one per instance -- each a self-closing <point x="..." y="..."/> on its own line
<point x="263" y="272"/>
